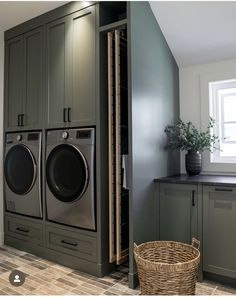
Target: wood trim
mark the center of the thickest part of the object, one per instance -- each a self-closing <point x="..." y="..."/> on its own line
<point x="112" y="256"/>
<point x="117" y="147"/>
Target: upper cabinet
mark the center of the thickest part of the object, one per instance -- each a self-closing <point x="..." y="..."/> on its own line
<point x="57" y="62"/>
<point x="23" y="81"/>
<point x="71" y="70"/>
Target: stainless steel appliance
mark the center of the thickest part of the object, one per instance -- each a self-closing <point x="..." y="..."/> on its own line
<point x="22" y="166"/>
<point x="70" y="177"/>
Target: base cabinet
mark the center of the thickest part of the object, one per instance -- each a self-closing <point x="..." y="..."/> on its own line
<point x="71" y="247"/>
<point x="219" y="222"/>
<point x="72" y="243"/>
<point x="178" y="212"/>
<point x="24" y="230"/>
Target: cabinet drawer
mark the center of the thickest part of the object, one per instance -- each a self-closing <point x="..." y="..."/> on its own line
<point x="72" y="243"/>
<point x="24" y="229"/>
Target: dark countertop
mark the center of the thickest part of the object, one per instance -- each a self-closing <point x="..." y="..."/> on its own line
<point x="199" y="179"/>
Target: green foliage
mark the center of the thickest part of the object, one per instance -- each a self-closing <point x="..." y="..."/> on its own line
<point x="185" y="136"/>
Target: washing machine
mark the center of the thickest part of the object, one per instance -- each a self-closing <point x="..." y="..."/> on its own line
<point x="70" y="193"/>
<point x="22" y="173"/>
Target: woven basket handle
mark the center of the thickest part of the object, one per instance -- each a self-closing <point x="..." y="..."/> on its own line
<point x="195" y="243"/>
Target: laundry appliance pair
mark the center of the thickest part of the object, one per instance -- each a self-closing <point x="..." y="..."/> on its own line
<point x="69" y="173"/>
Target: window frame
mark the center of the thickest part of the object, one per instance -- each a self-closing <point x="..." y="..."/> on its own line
<point x="216" y="111"/>
<point x="200" y="93"/>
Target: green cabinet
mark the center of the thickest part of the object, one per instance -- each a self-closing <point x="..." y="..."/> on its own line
<point x="178" y="207"/>
<point x="14" y="73"/>
<point x="23" y="83"/>
<point x="219" y="222"/>
<point x="71" y="70"/>
<point x="57" y="71"/>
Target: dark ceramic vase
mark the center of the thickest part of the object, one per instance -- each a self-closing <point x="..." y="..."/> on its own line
<point x="193" y="162"/>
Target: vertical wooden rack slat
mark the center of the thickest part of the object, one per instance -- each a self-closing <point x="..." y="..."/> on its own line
<point x="118" y="216"/>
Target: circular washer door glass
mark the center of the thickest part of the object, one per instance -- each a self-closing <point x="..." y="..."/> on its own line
<point x="20" y="169"/>
<point x="66" y="173"/>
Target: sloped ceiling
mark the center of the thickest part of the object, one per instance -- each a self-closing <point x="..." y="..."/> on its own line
<point x="198" y="32"/>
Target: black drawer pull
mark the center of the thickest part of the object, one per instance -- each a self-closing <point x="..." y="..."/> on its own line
<point x="223" y="189"/>
<point x="18" y="120"/>
<point x="22" y="230"/>
<point x="69" y="114"/>
<point x="193" y="198"/>
<point x="22" y="120"/>
<point x="64" y="115"/>
<point x="69" y="243"/>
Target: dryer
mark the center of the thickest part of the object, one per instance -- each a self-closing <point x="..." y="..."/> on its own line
<point x="70" y="197"/>
<point x="22" y="170"/>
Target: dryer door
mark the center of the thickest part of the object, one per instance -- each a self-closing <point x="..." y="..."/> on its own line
<point x="20" y="169"/>
<point x="67" y="173"/>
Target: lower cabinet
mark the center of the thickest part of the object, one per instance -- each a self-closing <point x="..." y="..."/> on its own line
<point x="71" y="247"/>
<point x="72" y="243"/>
<point x="219" y="230"/>
<point x="24" y="230"/>
<point x="178" y="212"/>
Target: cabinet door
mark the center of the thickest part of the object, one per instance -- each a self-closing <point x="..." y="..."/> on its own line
<point x="178" y="212"/>
<point x="83" y="101"/>
<point x="14" y="81"/>
<point x="33" y="57"/>
<point x="58" y="57"/>
<point x="219" y="222"/>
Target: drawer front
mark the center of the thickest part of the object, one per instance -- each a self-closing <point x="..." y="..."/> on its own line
<point x="82" y="246"/>
<point x="24" y="230"/>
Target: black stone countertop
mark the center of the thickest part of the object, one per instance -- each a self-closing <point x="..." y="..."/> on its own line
<point x="199" y="179"/>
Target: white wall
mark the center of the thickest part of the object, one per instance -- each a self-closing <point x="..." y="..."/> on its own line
<point x="1" y="133"/>
<point x="193" y="102"/>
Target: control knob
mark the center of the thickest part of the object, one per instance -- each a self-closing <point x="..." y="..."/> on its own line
<point x="19" y="138"/>
<point x="65" y="135"/>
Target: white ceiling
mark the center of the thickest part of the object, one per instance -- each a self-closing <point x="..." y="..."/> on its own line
<point x="198" y="32"/>
<point x="13" y="13"/>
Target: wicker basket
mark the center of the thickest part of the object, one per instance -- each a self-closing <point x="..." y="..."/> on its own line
<point x="167" y="267"/>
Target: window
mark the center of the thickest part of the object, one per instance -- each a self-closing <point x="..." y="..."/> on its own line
<point x="222" y="95"/>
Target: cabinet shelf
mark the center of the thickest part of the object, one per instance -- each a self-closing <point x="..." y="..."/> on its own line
<point x="114" y="25"/>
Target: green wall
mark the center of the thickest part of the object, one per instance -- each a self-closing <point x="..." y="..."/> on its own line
<point x="154" y="81"/>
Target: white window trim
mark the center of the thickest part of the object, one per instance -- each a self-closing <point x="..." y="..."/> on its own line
<point x="204" y="81"/>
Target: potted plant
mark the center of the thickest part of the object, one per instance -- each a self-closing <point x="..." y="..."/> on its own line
<point x="185" y="137"/>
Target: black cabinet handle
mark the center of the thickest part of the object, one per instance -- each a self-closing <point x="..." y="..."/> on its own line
<point x="18" y="120"/>
<point x="22" y="120"/>
<point x="223" y="189"/>
<point x="22" y="230"/>
<point x="69" y="243"/>
<point x="69" y="114"/>
<point x="64" y="115"/>
<point x="193" y="198"/>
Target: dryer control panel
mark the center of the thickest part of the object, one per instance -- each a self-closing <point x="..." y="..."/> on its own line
<point x="79" y="136"/>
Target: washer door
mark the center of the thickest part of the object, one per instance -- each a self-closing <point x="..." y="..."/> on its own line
<point x="20" y="169"/>
<point x="67" y="173"/>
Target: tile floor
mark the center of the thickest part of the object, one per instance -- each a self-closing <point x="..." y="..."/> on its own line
<point x="46" y="278"/>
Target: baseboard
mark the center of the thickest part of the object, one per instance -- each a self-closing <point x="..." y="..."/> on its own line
<point x="133" y="280"/>
<point x="1" y="239"/>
